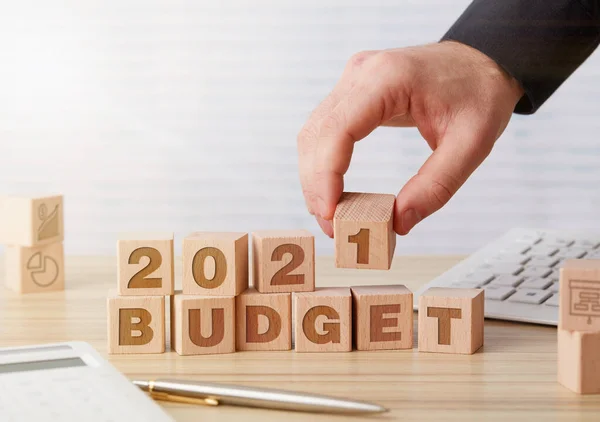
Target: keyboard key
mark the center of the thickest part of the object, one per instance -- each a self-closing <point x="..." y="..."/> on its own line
<point x="595" y="254"/>
<point x="504" y="268"/>
<point x="553" y="301"/>
<point x="586" y="243"/>
<point x="515" y="248"/>
<point x="535" y="283"/>
<point x="466" y="285"/>
<point x="531" y="238"/>
<point x="557" y="241"/>
<point x="493" y="292"/>
<point x="532" y="296"/>
<point x="536" y="272"/>
<point x="571" y="253"/>
<point x="479" y="277"/>
<point x="507" y="280"/>
<point x="542" y="261"/>
<point x="508" y="259"/>
<point x="544" y="250"/>
<point x="554" y="287"/>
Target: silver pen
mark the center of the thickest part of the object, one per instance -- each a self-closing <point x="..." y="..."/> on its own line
<point x="212" y="394"/>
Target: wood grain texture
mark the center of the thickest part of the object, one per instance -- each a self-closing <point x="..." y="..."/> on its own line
<point x="145" y="264"/>
<point x="35" y="269"/>
<point x="202" y="325"/>
<point x="514" y="379"/>
<point x="451" y="320"/>
<point x="323" y="320"/>
<point x="215" y="263"/>
<point x="579" y="361"/>
<point x="363" y="228"/>
<point x="283" y="261"/>
<point x="31" y="221"/>
<point x="580" y="295"/>
<point x="382" y="317"/>
<point x="136" y="324"/>
<point x="263" y="321"/>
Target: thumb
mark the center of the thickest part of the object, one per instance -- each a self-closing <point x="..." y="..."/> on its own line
<point x="358" y="113"/>
<point x="461" y="150"/>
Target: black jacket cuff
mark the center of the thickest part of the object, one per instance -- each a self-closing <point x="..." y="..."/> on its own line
<point x="538" y="42"/>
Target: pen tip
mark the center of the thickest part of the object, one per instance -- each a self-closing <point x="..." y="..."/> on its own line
<point x="144" y="385"/>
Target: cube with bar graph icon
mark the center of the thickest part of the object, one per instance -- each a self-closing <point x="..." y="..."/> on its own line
<point x="32" y="228"/>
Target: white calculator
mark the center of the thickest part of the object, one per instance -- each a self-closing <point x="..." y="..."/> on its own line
<point x="68" y="382"/>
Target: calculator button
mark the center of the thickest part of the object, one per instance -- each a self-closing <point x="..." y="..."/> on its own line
<point x="536" y="272"/>
<point x="536" y="283"/>
<point x="494" y="292"/>
<point x="507" y="280"/>
<point x="532" y="296"/>
<point x="553" y="301"/>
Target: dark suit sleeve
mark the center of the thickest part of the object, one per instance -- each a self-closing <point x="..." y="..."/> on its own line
<point x="539" y="42"/>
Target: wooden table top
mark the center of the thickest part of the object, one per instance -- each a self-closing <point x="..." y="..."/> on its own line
<point x="512" y="378"/>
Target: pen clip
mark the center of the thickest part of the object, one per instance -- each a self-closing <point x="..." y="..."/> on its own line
<point x="160" y="395"/>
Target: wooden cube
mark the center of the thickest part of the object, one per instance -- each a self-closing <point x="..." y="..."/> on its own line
<point x="202" y="325"/>
<point x="145" y="264"/>
<point x="383" y="317"/>
<point x="283" y="261"/>
<point x="451" y="320"/>
<point x="35" y="269"/>
<point x="31" y="221"/>
<point x="580" y="295"/>
<point x="323" y="320"/>
<point x="363" y="227"/>
<point x="579" y="360"/>
<point x="264" y="321"/>
<point x="215" y="263"/>
<point x="136" y="324"/>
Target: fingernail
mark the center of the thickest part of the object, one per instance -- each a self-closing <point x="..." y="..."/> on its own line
<point x="410" y="218"/>
<point x="322" y="208"/>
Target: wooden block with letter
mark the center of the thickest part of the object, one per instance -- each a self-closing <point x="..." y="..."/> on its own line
<point x="579" y="360"/>
<point x="202" y="325"/>
<point x="264" y="321"/>
<point x="35" y="269"/>
<point x="363" y="227"/>
<point x="31" y="221"/>
<point x="451" y="320"/>
<point x="145" y="264"/>
<point x="383" y="317"/>
<point x="215" y="263"/>
<point x="136" y="324"/>
<point x="323" y="320"/>
<point x="580" y="295"/>
<point x="283" y="261"/>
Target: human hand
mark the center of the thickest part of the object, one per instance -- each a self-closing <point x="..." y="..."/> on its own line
<point x="458" y="98"/>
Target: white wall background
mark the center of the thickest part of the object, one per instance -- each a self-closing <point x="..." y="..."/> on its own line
<point x="183" y="115"/>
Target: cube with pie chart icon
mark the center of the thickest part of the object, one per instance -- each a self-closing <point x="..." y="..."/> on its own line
<point x="31" y="221"/>
<point x="36" y="269"/>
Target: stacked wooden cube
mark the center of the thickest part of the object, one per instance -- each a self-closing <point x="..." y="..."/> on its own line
<point x="217" y="312"/>
<point x="579" y="326"/>
<point x="32" y="228"/>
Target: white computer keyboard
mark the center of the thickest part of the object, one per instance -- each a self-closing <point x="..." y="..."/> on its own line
<point x="519" y="272"/>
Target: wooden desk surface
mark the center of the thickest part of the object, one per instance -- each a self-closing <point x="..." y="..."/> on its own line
<point x="512" y="378"/>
